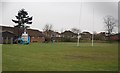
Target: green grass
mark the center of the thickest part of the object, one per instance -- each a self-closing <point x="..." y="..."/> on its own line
<point x="60" y="57"/>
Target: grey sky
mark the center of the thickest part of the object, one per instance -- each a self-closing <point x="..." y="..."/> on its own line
<point x="62" y="15"/>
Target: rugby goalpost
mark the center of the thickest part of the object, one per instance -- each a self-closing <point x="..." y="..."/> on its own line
<point x="79" y="36"/>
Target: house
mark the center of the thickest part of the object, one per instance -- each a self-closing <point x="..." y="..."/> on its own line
<point x="1" y="39"/>
<point x="68" y="36"/>
<point x="86" y="35"/>
<point x="100" y="36"/>
<point x="35" y="35"/>
<point x="115" y="37"/>
<point x="11" y="34"/>
<point x="57" y="34"/>
<point x="51" y="35"/>
<point x="7" y="37"/>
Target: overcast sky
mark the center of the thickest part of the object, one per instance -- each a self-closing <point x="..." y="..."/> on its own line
<point x="62" y="15"/>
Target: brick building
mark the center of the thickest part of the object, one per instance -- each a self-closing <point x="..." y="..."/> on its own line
<point x="10" y="34"/>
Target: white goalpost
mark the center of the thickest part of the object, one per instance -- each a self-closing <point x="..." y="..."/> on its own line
<point x="93" y="30"/>
<point x="79" y="36"/>
<point x="80" y="17"/>
<point x="78" y="41"/>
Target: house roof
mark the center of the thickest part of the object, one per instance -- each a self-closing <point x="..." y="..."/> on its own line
<point x="34" y="33"/>
<point x="85" y="32"/>
<point x="51" y="32"/>
<point x="7" y="34"/>
<point x="31" y="32"/>
<point x="68" y="33"/>
<point x="7" y="31"/>
<point x="5" y="28"/>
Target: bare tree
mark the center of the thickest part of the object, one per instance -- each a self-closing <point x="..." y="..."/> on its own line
<point x="110" y="22"/>
<point x="75" y="30"/>
<point x="47" y="27"/>
<point x="47" y="31"/>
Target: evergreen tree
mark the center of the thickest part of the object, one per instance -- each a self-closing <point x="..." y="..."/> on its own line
<point x="22" y="19"/>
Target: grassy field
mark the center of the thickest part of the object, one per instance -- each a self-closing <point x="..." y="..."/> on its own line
<point x="60" y="57"/>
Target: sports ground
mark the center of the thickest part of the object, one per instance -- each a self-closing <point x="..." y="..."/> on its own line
<point x="60" y="57"/>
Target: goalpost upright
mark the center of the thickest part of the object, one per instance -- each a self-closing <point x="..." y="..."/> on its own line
<point x="80" y="17"/>
<point x="93" y="29"/>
